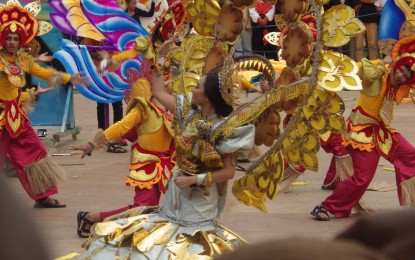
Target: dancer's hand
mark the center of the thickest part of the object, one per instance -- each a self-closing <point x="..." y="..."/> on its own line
<point x="40" y="90"/>
<point x="167" y="46"/>
<point x="44" y="57"/>
<point x="264" y="85"/>
<point x="184" y="181"/>
<point x="86" y="149"/>
<point x="78" y="79"/>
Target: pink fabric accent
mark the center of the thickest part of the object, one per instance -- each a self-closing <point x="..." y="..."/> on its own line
<point x="143" y="197"/>
<point x="351" y="190"/>
<point x="404" y="161"/>
<point x="24" y="149"/>
<point x="335" y="146"/>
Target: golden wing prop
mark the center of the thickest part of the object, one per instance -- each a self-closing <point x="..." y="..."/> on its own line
<point x="203" y="14"/>
<point x="190" y="59"/>
<point x="338" y="25"/>
<point x="337" y="71"/>
<point x="323" y="111"/>
<point x="262" y="182"/>
<point x="301" y="146"/>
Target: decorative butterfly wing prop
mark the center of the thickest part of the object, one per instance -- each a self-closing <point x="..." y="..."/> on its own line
<point x="103" y="21"/>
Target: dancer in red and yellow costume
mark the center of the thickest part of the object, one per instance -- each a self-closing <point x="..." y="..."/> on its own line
<point x="36" y="172"/>
<point x="369" y="136"/>
<point x="150" y="162"/>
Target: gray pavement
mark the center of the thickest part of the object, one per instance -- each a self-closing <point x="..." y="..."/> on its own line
<point x="96" y="183"/>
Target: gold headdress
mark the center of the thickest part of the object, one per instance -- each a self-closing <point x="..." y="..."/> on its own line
<point x="228" y="80"/>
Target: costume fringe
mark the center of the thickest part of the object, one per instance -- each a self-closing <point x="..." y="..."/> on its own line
<point x="344" y="169"/>
<point x="29" y="103"/>
<point x="290" y="175"/>
<point x="44" y="175"/>
<point x="100" y="141"/>
<point x="408" y="192"/>
<point x="55" y="80"/>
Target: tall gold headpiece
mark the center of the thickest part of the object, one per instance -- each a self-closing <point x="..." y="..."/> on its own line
<point x="228" y="80"/>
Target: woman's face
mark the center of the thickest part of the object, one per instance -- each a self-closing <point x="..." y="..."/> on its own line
<point x="131" y="5"/>
<point x="198" y="93"/>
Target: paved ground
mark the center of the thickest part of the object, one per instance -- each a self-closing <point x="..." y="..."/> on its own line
<point x="97" y="183"/>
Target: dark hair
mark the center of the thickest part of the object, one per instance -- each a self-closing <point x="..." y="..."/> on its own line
<point x="212" y="92"/>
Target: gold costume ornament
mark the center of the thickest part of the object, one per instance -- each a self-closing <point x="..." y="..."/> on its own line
<point x="228" y="81"/>
<point x="339" y="25"/>
<point x="204" y="14"/>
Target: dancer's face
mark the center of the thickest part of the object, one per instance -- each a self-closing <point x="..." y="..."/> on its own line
<point x="198" y="93"/>
<point x="401" y="75"/>
<point x="12" y="43"/>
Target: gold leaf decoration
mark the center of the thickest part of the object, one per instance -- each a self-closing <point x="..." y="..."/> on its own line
<point x="44" y="28"/>
<point x="204" y="14"/>
<point x="301" y="146"/>
<point x="260" y="182"/>
<point x="338" y="25"/>
<point x="337" y="71"/>
<point x="206" y="245"/>
<point x="323" y="111"/>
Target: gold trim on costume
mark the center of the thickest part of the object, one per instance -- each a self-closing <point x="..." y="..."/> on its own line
<point x="357" y="118"/>
<point x="143" y="176"/>
<point x="137" y="157"/>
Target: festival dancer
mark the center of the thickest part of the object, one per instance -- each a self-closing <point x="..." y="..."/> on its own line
<point x="37" y="173"/>
<point x="151" y="155"/>
<point x="196" y="193"/>
<point x="369" y="135"/>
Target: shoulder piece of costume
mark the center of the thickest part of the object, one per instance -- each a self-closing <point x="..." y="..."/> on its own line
<point x="241" y="140"/>
<point x="371" y="75"/>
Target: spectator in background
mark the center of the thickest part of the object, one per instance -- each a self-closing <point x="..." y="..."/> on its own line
<point x="370" y="17"/>
<point x="136" y="13"/>
<point x="244" y="46"/>
<point x="262" y="16"/>
<point x="117" y="106"/>
<point x="355" y="4"/>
